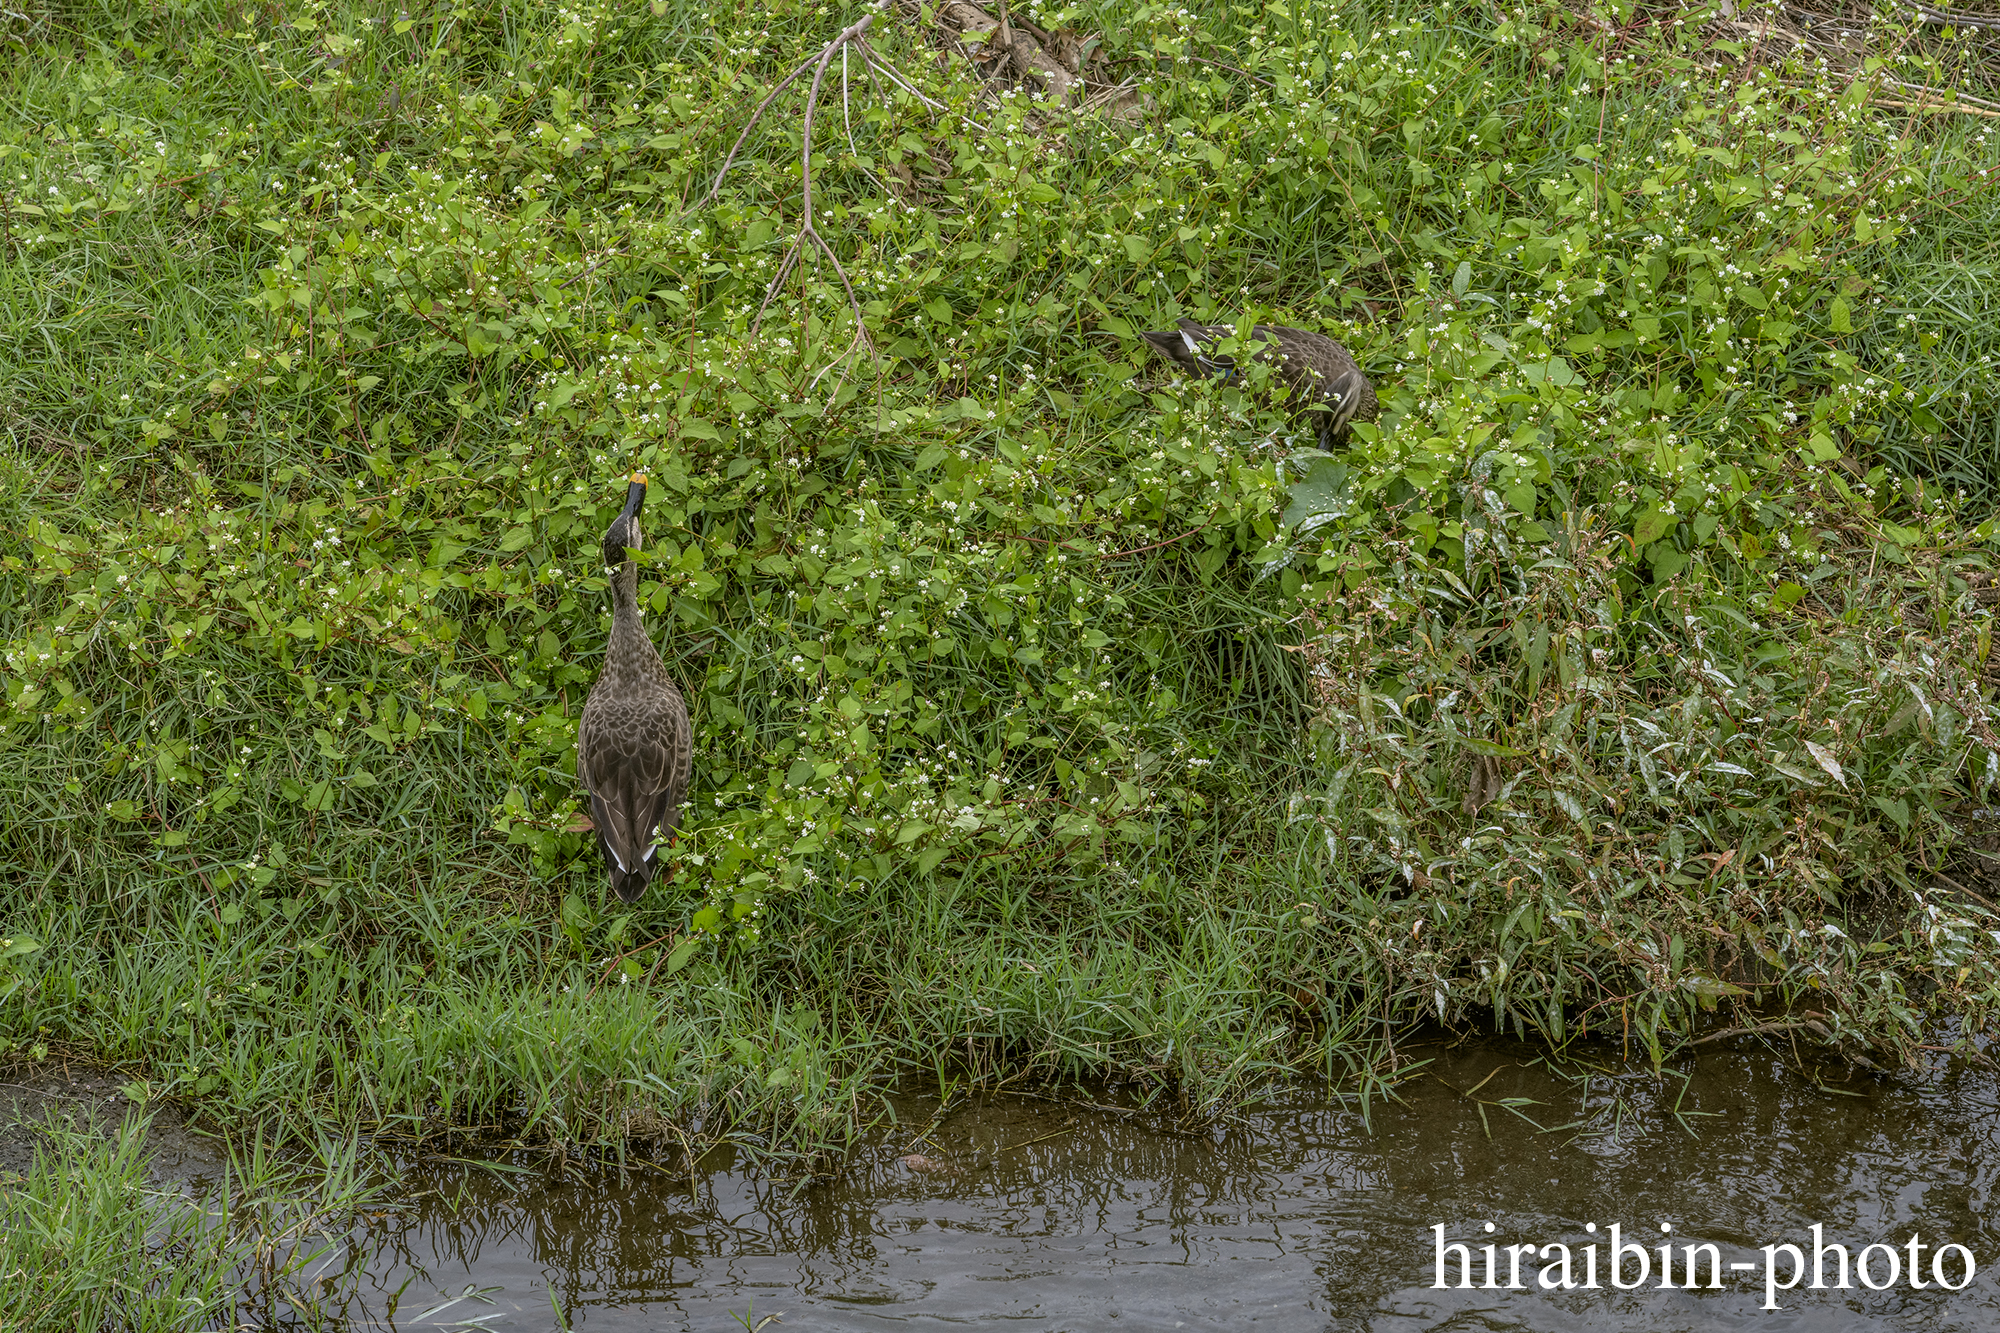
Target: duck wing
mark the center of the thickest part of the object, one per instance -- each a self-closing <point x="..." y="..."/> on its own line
<point x="634" y="762"/>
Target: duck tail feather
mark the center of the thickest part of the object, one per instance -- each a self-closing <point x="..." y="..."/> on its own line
<point x="629" y="886"/>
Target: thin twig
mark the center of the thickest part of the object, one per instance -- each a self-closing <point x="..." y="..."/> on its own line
<point x="1959" y="107"/>
<point x="637" y="948"/>
<point x="1957" y="95"/>
<point x="1109" y="94"/>
<point x="1951" y="883"/>
<point x="1254" y="78"/>
<point x="1095" y="555"/>
<point x="1141" y="550"/>
<point x="808" y="229"/>
<point x="617" y="248"/>
<point x="1759" y="1029"/>
<point x="1954" y="17"/>
<point x="847" y="115"/>
<point x="897" y="77"/>
<point x="1204" y="60"/>
<point x="748" y="126"/>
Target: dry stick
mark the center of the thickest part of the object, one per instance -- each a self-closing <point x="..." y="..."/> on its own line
<point x="750" y="125"/>
<point x="1105" y="97"/>
<point x="1959" y="95"/>
<point x="1095" y="555"/>
<point x="847" y="113"/>
<point x="1816" y="1028"/>
<point x="618" y="246"/>
<point x="1935" y="106"/>
<point x="1955" y="17"/>
<point x="897" y="77"/>
<point x="1951" y="883"/>
<point x="807" y="229"/>
<point x="847" y="117"/>
<point x="1254" y="78"/>
<point x="637" y="948"/>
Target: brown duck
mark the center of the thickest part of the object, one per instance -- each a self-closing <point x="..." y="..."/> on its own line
<point x="1329" y="392"/>
<point x="635" y="748"/>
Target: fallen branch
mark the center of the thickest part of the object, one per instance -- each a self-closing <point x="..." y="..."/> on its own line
<point x="1812" y="1025"/>
<point x="851" y="35"/>
<point x="1951" y="883"/>
<point x="1957" y="107"/>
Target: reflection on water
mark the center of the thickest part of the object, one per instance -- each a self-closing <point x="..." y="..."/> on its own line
<point x="1041" y="1214"/>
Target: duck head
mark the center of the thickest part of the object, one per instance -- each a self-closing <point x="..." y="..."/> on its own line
<point x="1191" y="347"/>
<point x="624" y="534"/>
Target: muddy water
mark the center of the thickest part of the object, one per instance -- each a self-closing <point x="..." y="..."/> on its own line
<point x="34" y="1099"/>
<point x="1029" y="1213"/>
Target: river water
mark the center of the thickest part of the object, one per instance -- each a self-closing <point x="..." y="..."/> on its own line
<point x="1033" y="1212"/>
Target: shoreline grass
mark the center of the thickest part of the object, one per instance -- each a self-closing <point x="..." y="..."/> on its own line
<point x="328" y="330"/>
<point x="88" y="1242"/>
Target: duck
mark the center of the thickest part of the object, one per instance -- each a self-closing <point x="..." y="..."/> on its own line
<point x="1329" y="392"/>
<point x="634" y="748"/>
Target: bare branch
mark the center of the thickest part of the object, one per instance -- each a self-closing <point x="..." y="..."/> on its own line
<point x="750" y="125"/>
<point x="896" y="76"/>
<point x="808" y="228"/>
<point x="846" y="113"/>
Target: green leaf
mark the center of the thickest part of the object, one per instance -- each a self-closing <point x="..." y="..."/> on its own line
<point x="683" y="951"/>
<point x="1319" y="497"/>
<point x="1652" y="526"/>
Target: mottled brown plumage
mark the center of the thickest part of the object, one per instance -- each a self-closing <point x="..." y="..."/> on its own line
<point x="635" y="749"/>
<point x="1329" y="392"/>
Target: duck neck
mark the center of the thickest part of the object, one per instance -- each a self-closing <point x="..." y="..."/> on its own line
<point x="625" y="593"/>
<point x="628" y="635"/>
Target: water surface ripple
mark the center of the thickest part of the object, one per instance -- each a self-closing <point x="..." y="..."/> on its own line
<point x="1037" y="1213"/>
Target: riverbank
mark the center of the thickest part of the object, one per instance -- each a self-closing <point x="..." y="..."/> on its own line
<point x="1056" y="718"/>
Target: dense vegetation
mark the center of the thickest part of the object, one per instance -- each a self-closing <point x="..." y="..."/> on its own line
<point x="1054" y="716"/>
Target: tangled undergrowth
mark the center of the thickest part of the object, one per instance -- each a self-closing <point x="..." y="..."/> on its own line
<point x="1054" y="717"/>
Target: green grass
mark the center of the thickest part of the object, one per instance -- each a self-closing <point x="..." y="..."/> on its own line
<point x="89" y="1242"/>
<point x="327" y="334"/>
